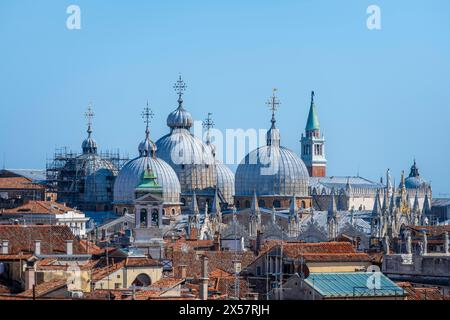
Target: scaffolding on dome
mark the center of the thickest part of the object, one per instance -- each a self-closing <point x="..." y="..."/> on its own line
<point x="84" y="181"/>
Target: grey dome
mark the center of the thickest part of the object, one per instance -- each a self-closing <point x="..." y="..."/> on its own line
<point x="286" y="175"/>
<point x="225" y="181"/>
<point x="414" y="181"/>
<point x="131" y="174"/>
<point x="147" y="147"/>
<point x="99" y="175"/>
<point x="89" y="145"/>
<point x="191" y="159"/>
<point x="179" y="118"/>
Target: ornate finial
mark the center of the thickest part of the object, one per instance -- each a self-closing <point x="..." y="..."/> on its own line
<point x="208" y="123"/>
<point x="273" y="104"/>
<point x="89" y="114"/>
<point x="180" y="87"/>
<point x="147" y="115"/>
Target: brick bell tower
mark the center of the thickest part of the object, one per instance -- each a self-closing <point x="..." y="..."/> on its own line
<point x="313" y="144"/>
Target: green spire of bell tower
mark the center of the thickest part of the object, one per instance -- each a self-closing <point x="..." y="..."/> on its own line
<point x="313" y="120"/>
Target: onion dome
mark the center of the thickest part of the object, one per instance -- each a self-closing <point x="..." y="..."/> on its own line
<point x="180" y="118"/>
<point x="191" y="159"/>
<point x="89" y="145"/>
<point x="130" y="176"/>
<point x="272" y="170"/>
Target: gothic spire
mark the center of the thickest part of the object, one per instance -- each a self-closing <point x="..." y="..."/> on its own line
<point x="255" y="205"/>
<point x="416" y="208"/>
<point x="293" y="207"/>
<point x="194" y="205"/>
<point x="215" y="208"/>
<point x="426" y="205"/>
<point x="332" y="205"/>
<point x="377" y="205"/>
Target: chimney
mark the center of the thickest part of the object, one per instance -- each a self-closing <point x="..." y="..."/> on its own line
<point x="37" y="247"/>
<point x="204" y="279"/>
<point x="182" y="271"/>
<point x="5" y="247"/>
<point x="69" y="247"/>
<point x="30" y="278"/>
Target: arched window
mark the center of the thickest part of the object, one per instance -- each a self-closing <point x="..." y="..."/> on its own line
<point x="155" y="217"/>
<point x="125" y="211"/>
<point x="142" y="280"/>
<point x="276" y="203"/>
<point x="247" y="203"/>
<point x="303" y="204"/>
<point x="238" y="204"/>
<point x="143" y="221"/>
<point x="262" y="203"/>
<point x="173" y="211"/>
<point x="183" y="201"/>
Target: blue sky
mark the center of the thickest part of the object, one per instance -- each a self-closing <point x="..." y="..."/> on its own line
<point x="382" y="96"/>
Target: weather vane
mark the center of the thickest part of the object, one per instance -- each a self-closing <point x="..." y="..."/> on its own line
<point x="147" y="114"/>
<point x="273" y="103"/>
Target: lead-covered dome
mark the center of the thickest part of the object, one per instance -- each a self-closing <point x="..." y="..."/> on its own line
<point x="191" y="159"/>
<point x="272" y="170"/>
<point x="414" y="180"/>
<point x="225" y="181"/>
<point x="131" y="174"/>
<point x="179" y="118"/>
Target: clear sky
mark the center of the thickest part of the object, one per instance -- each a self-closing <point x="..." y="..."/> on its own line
<point x="382" y="96"/>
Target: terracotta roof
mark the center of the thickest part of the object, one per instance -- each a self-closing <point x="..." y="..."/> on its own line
<point x="219" y="273"/>
<point x="216" y="259"/>
<point x="141" y="262"/>
<point x="421" y="293"/>
<point x="431" y="230"/>
<point x="18" y="183"/>
<point x="191" y="244"/>
<point x="53" y="238"/>
<point x="45" y="288"/>
<point x="101" y="269"/>
<point x="40" y="207"/>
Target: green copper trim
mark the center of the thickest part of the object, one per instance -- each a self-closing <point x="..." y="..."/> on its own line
<point x="313" y="119"/>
